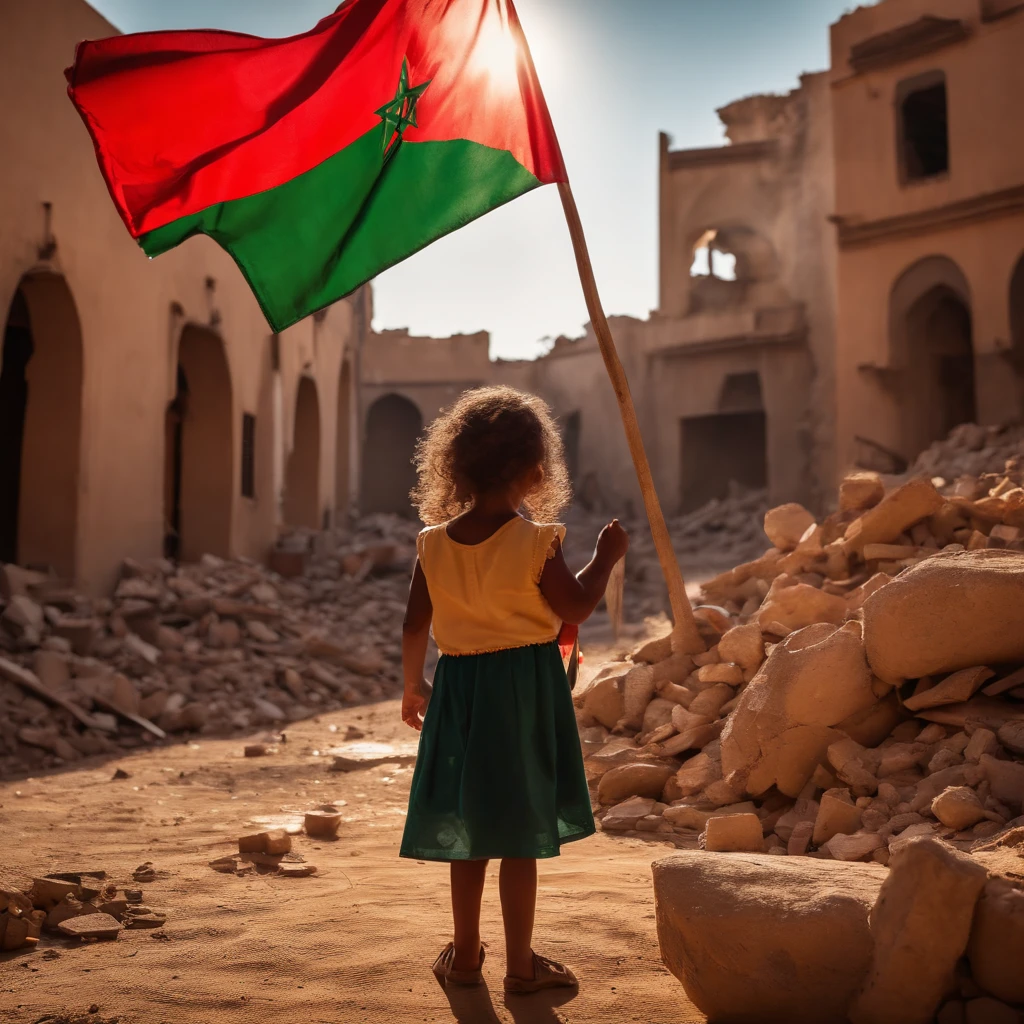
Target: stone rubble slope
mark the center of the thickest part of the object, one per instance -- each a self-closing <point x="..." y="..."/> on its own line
<point x="858" y="711"/>
<point x="863" y="683"/>
<point x="214" y="648"/>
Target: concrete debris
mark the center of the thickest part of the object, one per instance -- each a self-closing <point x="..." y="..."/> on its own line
<point x="852" y="717"/>
<point x="323" y="823"/>
<point x="73" y="905"/>
<point x="874" y="665"/>
<point x="216" y="648"/>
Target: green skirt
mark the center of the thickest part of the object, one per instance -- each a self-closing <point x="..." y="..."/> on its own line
<point x="499" y="771"/>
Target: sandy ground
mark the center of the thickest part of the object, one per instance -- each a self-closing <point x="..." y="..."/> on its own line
<point x="353" y="943"/>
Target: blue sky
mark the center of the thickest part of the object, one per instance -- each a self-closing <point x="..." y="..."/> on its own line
<point x="615" y="72"/>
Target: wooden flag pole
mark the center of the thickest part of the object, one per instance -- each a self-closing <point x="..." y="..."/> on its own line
<point x="685" y="637"/>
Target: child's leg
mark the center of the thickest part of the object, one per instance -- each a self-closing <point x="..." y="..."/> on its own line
<point x="517" y="883"/>
<point x="467" y="892"/>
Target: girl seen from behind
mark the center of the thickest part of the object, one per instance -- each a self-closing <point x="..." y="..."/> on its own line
<point x="499" y="773"/>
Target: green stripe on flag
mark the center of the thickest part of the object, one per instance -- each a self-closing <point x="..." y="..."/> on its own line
<point x="316" y="238"/>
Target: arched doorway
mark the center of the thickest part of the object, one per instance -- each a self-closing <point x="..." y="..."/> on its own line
<point x="934" y="353"/>
<point x="40" y="426"/>
<point x="393" y="424"/>
<point x="343" y="447"/>
<point x="302" y="478"/>
<point x="1017" y="331"/>
<point x="198" y="454"/>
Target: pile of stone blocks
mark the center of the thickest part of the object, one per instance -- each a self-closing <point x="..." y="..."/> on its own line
<point x="214" y="648"/>
<point x="83" y="906"/>
<point x="862" y="684"/>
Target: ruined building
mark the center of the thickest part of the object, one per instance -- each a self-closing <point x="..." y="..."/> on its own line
<point x="144" y="407"/>
<point x="926" y="102"/>
<point x="840" y="284"/>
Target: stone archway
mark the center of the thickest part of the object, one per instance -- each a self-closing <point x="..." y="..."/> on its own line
<point x="1017" y="331"/>
<point x="343" y="447"/>
<point x="302" y="477"/>
<point x="933" y="352"/>
<point x="41" y="425"/>
<point x="393" y="425"/>
<point x="198" y="492"/>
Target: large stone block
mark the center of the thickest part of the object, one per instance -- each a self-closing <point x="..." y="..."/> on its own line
<point x="801" y="605"/>
<point x="785" y="525"/>
<point x="632" y="780"/>
<point x="602" y="699"/>
<point x="997" y="941"/>
<point x="757" y="939"/>
<point x="898" y="511"/>
<point x="920" y="924"/>
<point x="953" y="611"/>
<point x="784" y="721"/>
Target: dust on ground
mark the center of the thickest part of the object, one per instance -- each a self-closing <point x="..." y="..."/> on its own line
<point x="352" y="943"/>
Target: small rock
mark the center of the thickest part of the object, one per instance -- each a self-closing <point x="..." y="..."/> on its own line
<point x="958" y="807"/>
<point x="734" y="833"/>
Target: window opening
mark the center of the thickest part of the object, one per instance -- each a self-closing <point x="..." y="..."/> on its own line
<point x="248" y="455"/>
<point x="924" y="130"/>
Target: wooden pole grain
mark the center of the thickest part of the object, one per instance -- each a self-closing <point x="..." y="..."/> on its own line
<point x="685" y="637"/>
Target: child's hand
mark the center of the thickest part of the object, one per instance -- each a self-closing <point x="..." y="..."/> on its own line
<point x="612" y="542"/>
<point x="413" y="706"/>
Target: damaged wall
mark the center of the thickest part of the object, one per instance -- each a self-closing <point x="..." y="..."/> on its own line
<point x="931" y="226"/>
<point x="132" y="314"/>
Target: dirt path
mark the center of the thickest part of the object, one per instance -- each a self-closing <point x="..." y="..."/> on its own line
<point x="354" y="943"/>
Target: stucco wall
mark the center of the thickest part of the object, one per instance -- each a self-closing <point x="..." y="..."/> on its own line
<point x="131" y="310"/>
<point x="984" y="85"/>
<point x="889" y="227"/>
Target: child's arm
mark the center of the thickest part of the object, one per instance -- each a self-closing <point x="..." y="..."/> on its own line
<point x="415" y="635"/>
<point x="574" y="598"/>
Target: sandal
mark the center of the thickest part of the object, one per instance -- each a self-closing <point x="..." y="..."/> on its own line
<point x="546" y="974"/>
<point x="445" y="972"/>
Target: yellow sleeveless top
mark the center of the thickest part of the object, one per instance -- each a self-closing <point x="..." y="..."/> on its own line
<point x="486" y="596"/>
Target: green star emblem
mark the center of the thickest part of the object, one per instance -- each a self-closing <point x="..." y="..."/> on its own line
<point x="400" y="113"/>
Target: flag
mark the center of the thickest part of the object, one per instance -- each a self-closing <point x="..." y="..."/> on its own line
<point x="319" y="160"/>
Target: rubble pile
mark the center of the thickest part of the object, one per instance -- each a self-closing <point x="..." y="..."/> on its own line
<point x="862" y="684"/>
<point x="214" y="648"/>
<point x="970" y="451"/>
<point x="80" y="905"/>
<point x="859" y="703"/>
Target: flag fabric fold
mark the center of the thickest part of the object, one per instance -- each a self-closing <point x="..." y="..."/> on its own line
<point x="319" y="160"/>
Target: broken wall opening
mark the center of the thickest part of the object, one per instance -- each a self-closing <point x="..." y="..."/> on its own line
<point x="198" y="457"/>
<point x="393" y="425"/>
<point x="923" y="127"/>
<point x="302" y="477"/>
<point x="40" y="426"/>
<point x="728" y="264"/>
<point x="725" y="449"/>
<point x="932" y="352"/>
<point x="343" y="447"/>
<point x="1017" y="332"/>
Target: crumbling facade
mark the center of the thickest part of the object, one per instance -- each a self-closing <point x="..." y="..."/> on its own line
<point x="930" y="222"/>
<point x="733" y="374"/>
<point x="145" y="406"/>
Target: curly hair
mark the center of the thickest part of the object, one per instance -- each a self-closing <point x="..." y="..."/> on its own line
<point x="488" y="440"/>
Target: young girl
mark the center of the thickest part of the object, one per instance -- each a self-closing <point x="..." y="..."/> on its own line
<point x="499" y="772"/>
